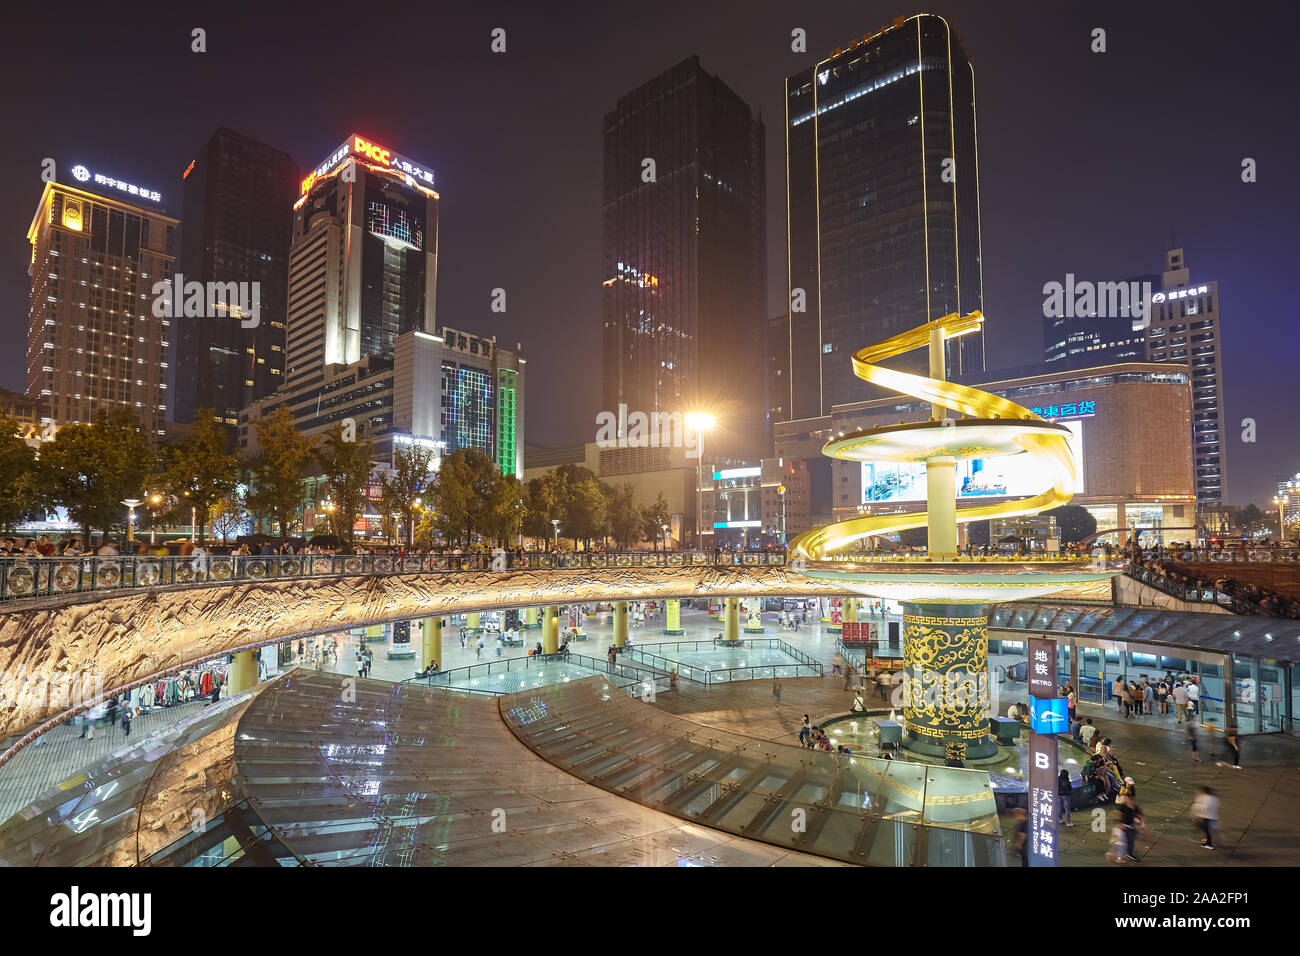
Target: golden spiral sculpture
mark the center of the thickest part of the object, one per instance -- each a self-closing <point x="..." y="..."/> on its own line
<point x="1048" y="443"/>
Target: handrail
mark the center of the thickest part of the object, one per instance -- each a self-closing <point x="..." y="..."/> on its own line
<point x="636" y="676"/>
<point x="1192" y="594"/>
<point x="23" y="578"/>
<point x="719" y="675"/>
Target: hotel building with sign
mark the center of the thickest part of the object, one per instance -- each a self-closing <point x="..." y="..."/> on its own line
<point x="94" y="343"/>
<point x="1132" y="446"/>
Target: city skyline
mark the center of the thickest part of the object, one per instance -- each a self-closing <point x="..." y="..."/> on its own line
<point x="1094" y="190"/>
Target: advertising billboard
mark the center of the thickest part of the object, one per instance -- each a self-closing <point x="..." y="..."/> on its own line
<point x="1008" y="476"/>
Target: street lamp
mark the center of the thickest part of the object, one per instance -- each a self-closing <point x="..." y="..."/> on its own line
<point x="665" y="527"/>
<point x="699" y="422"/>
<point x="131" y="503"/>
<point x="154" y="500"/>
<point x="1281" y="503"/>
<point x="555" y="523"/>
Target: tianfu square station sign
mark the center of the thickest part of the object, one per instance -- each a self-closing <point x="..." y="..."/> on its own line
<point x="374" y="154"/>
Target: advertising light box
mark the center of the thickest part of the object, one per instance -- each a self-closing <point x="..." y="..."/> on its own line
<point x="1007" y="476"/>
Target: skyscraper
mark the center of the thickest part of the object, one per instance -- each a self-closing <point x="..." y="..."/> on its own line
<point x="363" y="268"/>
<point x="684" y="235"/>
<point x="95" y="342"/>
<point x="883" y="195"/>
<point x="1185" y="329"/>
<point x="238" y="216"/>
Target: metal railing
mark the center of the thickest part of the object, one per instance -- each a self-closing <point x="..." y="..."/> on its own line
<point x="626" y="677"/>
<point x="804" y="665"/>
<point x="1245" y="554"/>
<point x="1231" y="601"/>
<point x="23" y="578"/>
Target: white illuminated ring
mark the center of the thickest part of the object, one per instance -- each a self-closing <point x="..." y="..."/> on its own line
<point x="81" y="172"/>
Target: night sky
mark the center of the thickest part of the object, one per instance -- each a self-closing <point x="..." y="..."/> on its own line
<point x="1089" y="163"/>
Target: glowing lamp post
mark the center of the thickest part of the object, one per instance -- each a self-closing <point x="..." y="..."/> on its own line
<point x="131" y="504"/>
<point x="699" y="422"/>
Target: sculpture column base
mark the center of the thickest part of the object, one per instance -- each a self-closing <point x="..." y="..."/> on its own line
<point x="946" y="679"/>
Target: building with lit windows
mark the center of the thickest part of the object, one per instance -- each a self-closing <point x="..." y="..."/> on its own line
<point x="95" y="343"/>
<point x="1132" y="444"/>
<point x="684" y="253"/>
<point x="363" y="266"/>
<point x="1091" y="339"/>
<point x="239" y="196"/>
<point x="882" y="187"/>
<point x="1185" y="329"/>
<point x="446" y="391"/>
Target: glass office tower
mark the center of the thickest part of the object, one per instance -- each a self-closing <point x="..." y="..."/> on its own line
<point x="683" y="305"/>
<point x="883" y="197"/>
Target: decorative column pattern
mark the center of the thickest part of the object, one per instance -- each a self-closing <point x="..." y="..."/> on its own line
<point x="945" y="678"/>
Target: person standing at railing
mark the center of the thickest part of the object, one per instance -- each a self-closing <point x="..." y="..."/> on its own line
<point x="44" y="546"/>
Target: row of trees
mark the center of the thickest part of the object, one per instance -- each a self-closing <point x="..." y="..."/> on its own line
<point x="90" y="469"/>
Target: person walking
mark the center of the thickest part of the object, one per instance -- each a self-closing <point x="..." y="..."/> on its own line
<point x="126" y="720"/>
<point x="478" y="653"/>
<point x="1194" y="698"/>
<point x="1191" y="741"/>
<point x="1117" y="691"/>
<point x="1131" y="820"/>
<point x="776" y="690"/>
<point x="1066" y="792"/>
<point x="1126" y="701"/>
<point x="1071" y="705"/>
<point x="848" y="674"/>
<point x="1022" y="835"/>
<point x="1205" y="814"/>
<point x="613" y="655"/>
<point x="836" y="662"/>
<point x="1234" y="747"/>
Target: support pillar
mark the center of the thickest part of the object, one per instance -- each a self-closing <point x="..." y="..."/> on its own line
<point x="531" y="618"/>
<point x="620" y="623"/>
<point x="946" y="678"/>
<point x="431" y="642"/>
<point x="1074" y="667"/>
<point x="673" y="617"/>
<point x="241" y="674"/>
<point x="941" y="503"/>
<point x="731" y="619"/>
<point x="473" y="622"/>
<point x="551" y="629"/>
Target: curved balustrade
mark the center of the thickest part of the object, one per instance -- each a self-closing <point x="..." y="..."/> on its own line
<point x="23" y="578"/>
<point x="1247" y="555"/>
<point x="1233" y="602"/>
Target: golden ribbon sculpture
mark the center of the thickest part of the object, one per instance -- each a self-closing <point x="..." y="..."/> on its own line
<point x="1051" y="447"/>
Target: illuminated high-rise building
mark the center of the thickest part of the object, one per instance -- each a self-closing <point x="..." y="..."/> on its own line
<point x="1184" y="328"/>
<point x="683" y="309"/>
<point x="883" y="195"/>
<point x="363" y="268"/>
<point x="95" y="343"/>
<point x="238" y="214"/>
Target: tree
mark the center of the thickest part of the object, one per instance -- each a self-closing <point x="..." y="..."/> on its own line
<point x="1250" y="518"/>
<point x="229" y="514"/>
<point x="198" y="472"/>
<point x="408" y="482"/>
<point x="346" y="466"/>
<point x="90" y="469"/>
<point x="585" y="516"/>
<point x="653" y="519"/>
<point x="19" y="498"/>
<point x="279" y="469"/>
<point x="1073" y="523"/>
<point x="472" y="497"/>
<point x="625" y="518"/>
<point x="543" y="502"/>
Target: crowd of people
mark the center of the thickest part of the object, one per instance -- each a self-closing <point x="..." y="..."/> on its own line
<point x="1261" y="599"/>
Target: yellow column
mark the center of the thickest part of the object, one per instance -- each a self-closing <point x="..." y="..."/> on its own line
<point x="731" y="619"/>
<point x="431" y="643"/>
<point x="673" y="617"/>
<point x="551" y="630"/>
<point x="241" y="674"/>
<point x="620" y="623"/>
<point x="941" y="504"/>
<point x="530" y="617"/>
<point x="472" y="621"/>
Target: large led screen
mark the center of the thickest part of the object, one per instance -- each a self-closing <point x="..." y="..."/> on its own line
<point x="1007" y="476"/>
